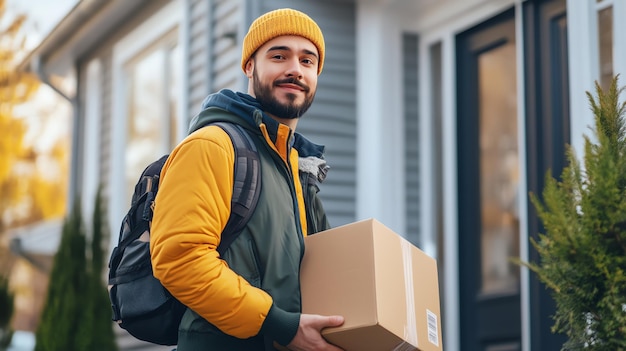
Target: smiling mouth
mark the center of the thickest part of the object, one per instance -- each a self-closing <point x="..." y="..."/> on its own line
<point x="291" y="84"/>
<point x="291" y="87"/>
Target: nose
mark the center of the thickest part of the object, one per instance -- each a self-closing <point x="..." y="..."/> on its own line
<point x="294" y="69"/>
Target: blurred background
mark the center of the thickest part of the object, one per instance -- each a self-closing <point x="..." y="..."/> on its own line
<point x="34" y="148"/>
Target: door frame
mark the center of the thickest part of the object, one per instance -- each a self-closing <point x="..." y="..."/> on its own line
<point x="547" y="94"/>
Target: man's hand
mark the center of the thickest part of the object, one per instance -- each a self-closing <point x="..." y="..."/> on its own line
<point x="309" y="337"/>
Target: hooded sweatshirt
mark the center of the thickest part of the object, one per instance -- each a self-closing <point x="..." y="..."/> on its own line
<point x="250" y="297"/>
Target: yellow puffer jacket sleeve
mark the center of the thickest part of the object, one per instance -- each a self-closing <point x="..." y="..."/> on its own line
<point x="191" y="209"/>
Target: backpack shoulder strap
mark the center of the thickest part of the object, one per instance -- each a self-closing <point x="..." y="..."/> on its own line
<point x="139" y="216"/>
<point x="247" y="184"/>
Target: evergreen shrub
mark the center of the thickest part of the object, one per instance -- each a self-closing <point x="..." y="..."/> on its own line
<point x="582" y="254"/>
<point x="77" y="312"/>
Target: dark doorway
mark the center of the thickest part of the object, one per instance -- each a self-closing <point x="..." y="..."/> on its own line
<point x="488" y="183"/>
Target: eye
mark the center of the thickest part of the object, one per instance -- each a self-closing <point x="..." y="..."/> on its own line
<point x="278" y="57"/>
<point x="307" y="61"/>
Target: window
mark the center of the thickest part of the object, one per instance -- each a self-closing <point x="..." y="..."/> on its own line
<point x="146" y="119"/>
<point x="152" y="123"/>
<point x="499" y="173"/>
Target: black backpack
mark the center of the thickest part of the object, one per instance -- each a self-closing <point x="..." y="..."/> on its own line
<point x="140" y="304"/>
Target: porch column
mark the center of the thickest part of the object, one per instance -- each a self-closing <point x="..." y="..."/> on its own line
<point x="380" y="123"/>
<point x="582" y="34"/>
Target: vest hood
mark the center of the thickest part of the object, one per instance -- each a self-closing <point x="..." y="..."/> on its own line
<point x="250" y="114"/>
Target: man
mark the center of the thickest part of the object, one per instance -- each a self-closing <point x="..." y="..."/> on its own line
<point x="248" y="298"/>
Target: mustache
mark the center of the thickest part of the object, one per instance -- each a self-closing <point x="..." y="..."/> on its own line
<point x="293" y="81"/>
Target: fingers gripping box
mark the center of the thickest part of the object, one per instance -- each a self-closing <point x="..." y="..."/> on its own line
<point x="386" y="288"/>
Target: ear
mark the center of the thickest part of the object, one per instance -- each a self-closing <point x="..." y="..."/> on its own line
<point x="249" y="68"/>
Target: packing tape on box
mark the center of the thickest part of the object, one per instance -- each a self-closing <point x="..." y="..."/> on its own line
<point x="410" y="329"/>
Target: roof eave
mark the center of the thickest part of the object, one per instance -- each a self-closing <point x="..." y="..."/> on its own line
<point x="87" y="23"/>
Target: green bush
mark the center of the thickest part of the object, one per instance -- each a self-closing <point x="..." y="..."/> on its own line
<point x="582" y="255"/>
<point x="100" y="326"/>
<point x="77" y="312"/>
<point x="66" y="299"/>
<point x="6" y="312"/>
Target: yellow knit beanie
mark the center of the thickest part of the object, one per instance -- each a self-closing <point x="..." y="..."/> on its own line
<point x="281" y="22"/>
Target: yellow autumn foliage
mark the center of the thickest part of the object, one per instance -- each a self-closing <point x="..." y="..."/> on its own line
<point x="23" y="189"/>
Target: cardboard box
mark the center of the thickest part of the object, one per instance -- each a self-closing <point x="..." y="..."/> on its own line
<point x="386" y="288"/>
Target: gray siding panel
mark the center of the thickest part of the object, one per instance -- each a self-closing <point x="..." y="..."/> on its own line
<point x="227" y="61"/>
<point x="331" y="121"/>
<point x="198" y="54"/>
<point x="226" y="17"/>
<point x="411" y="128"/>
<point x="225" y="8"/>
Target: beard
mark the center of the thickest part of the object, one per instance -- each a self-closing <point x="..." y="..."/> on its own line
<point x="290" y="110"/>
